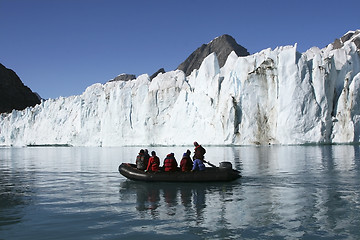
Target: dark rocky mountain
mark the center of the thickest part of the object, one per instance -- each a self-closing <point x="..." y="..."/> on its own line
<point x="124" y="77"/>
<point x="339" y="43"/>
<point x="161" y="70"/>
<point x="222" y="46"/>
<point x="13" y="93"/>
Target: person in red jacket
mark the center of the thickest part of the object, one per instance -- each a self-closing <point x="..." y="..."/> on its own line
<point x="154" y="163"/>
<point x="170" y="163"/>
<point x="186" y="163"/>
<point x="199" y="152"/>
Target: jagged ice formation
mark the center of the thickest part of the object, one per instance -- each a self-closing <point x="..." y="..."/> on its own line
<point x="275" y="96"/>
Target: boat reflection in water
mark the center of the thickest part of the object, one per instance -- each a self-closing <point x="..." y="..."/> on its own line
<point x="175" y="198"/>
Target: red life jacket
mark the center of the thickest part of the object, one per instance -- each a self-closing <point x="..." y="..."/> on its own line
<point x="186" y="164"/>
<point x="170" y="163"/>
<point x="154" y="163"/>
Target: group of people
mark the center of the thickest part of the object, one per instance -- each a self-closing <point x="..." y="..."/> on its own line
<point x="151" y="163"/>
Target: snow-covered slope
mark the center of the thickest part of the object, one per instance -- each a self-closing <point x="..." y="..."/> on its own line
<point x="275" y="96"/>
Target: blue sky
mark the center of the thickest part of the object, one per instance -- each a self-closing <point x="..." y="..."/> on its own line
<point x="60" y="47"/>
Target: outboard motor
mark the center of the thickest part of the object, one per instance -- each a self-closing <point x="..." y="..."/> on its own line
<point x="226" y="165"/>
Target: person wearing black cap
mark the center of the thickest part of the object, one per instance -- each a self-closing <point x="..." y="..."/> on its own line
<point x="199" y="152"/>
<point x="140" y="160"/>
<point x="170" y="163"/>
<point x="154" y="162"/>
<point x="146" y="156"/>
<point x="186" y="163"/>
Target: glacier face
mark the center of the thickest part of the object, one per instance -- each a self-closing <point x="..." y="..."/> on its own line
<point x="275" y="96"/>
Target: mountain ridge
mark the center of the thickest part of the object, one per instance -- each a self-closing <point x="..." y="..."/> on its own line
<point x="222" y="46"/>
<point x="276" y="96"/>
<point x="13" y="93"/>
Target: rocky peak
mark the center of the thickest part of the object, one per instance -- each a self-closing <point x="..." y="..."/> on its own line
<point x="353" y="36"/>
<point x="124" y="77"/>
<point x="222" y="46"/>
<point x="13" y="93"/>
<point x="161" y="70"/>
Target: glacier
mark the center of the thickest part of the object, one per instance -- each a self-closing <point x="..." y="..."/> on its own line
<point x="278" y="96"/>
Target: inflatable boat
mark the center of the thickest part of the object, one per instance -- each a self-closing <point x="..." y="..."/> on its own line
<point x="223" y="173"/>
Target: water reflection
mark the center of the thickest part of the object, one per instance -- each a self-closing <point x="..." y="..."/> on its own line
<point x="159" y="198"/>
<point x="14" y="196"/>
<point x="287" y="192"/>
<point x="332" y="203"/>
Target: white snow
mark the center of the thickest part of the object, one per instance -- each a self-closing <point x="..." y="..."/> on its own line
<point x="275" y="96"/>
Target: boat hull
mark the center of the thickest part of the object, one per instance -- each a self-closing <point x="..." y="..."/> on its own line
<point x="213" y="174"/>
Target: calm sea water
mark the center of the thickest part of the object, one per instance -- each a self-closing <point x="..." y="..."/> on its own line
<point x="287" y="192"/>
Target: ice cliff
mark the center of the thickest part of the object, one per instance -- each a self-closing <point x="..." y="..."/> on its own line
<point x="275" y="96"/>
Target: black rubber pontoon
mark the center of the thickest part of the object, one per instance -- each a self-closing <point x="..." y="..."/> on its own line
<point x="211" y="174"/>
